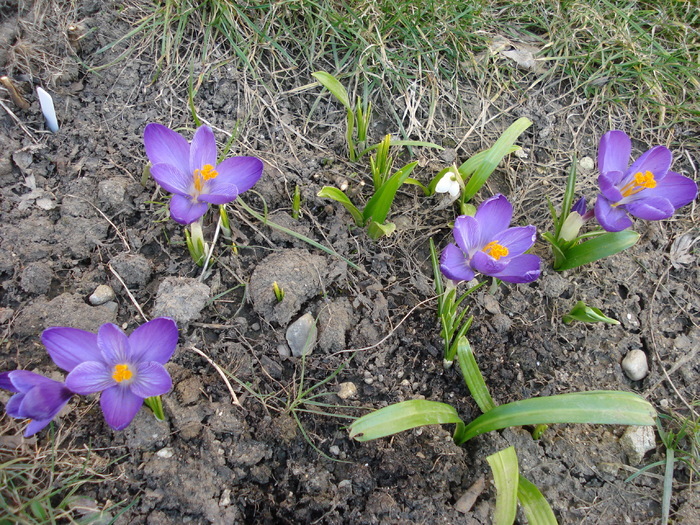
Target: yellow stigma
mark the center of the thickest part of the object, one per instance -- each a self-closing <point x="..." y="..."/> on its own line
<point x="206" y="173"/>
<point x="638" y="183"/>
<point x="495" y="250"/>
<point x="121" y="373"/>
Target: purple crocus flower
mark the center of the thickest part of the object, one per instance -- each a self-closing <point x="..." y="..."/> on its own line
<point x="125" y="369"/>
<point x="647" y="189"/>
<point x="487" y="245"/>
<point x="191" y="174"/>
<point x="37" y="398"/>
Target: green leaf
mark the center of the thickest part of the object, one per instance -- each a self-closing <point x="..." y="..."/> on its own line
<point x="493" y="156"/>
<point x="504" y="466"/>
<point x="597" y="248"/>
<point x="403" y="143"/>
<point x="334" y="86"/>
<point x="473" y="377"/>
<point x="587" y="314"/>
<point x="596" y="407"/>
<point x="402" y="416"/>
<point x="377" y="231"/>
<point x="330" y="192"/>
<point x="415" y="182"/>
<point x="537" y="510"/>
<point x="472" y="163"/>
<point x="378" y="205"/>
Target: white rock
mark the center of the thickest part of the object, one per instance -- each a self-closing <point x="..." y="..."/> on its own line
<point x="301" y="335"/>
<point x="347" y="390"/>
<point x="102" y="294"/>
<point x="166" y="453"/>
<point x="637" y="441"/>
<point x="635" y="365"/>
<point x="586" y="164"/>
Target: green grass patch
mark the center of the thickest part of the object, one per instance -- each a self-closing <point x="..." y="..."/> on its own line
<point x="639" y="55"/>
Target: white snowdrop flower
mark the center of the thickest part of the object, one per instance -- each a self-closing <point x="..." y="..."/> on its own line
<point x="449" y="183"/>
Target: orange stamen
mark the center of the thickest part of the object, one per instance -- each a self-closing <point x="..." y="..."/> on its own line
<point x="122" y="373"/>
<point x="495" y="250"/>
<point x="200" y="176"/>
<point x="638" y="183"/>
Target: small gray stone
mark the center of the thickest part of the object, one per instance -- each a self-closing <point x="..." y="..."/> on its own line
<point x="334" y="321"/>
<point x="501" y="323"/>
<point x="347" y="390"/>
<point x="134" y="269"/>
<point x="181" y="299"/>
<point x="102" y="294"/>
<point x="112" y="192"/>
<point x="301" y="335"/>
<point x="283" y="350"/>
<point x="635" y="365"/>
<point x="637" y="441"/>
<point x="36" y="278"/>
<point x="111" y="306"/>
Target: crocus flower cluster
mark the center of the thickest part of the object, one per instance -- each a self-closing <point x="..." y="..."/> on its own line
<point x="36" y="398"/>
<point x="190" y="171"/>
<point x="647" y="189"/>
<point x="125" y="369"/>
<point x="486" y="244"/>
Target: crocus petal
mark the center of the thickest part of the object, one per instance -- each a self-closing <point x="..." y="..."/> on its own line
<point x="518" y="240"/>
<point x="608" y="183"/>
<point x="679" y="190"/>
<point x="90" y="377"/>
<point x="45" y="401"/>
<point x="203" y="149"/>
<point x="651" y="208"/>
<point x="68" y="347"/>
<point x="152" y="379"/>
<point x="165" y="146"/>
<point x="35" y="425"/>
<point x="6" y="383"/>
<point x="522" y="269"/>
<point x="185" y="211"/>
<point x="119" y="406"/>
<point x="614" y="152"/>
<point x="114" y="344"/>
<point x="579" y="206"/>
<point x="24" y="380"/>
<point x="493" y="216"/>
<point x="484" y="263"/>
<point x="467" y="233"/>
<point x="657" y="160"/>
<point x="154" y="341"/>
<point x="455" y="265"/>
<point x="611" y="219"/>
<point x="236" y="175"/>
<point x="172" y="179"/>
<point x="13" y="408"/>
